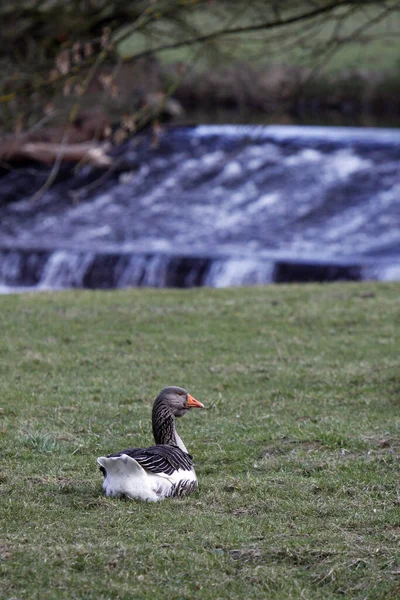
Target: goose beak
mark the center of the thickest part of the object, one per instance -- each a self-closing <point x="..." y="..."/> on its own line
<point x="193" y="403"/>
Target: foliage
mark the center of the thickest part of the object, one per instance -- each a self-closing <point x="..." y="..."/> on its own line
<point x="51" y="49"/>
<point x="297" y="452"/>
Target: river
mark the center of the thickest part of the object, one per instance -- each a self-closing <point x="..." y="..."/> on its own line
<point x="210" y="205"/>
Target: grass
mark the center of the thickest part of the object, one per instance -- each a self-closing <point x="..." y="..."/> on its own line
<point x="297" y="455"/>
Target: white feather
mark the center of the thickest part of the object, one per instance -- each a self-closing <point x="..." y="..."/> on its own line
<point x="125" y="476"/>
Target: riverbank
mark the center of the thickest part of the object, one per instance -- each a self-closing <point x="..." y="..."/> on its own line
<point x="283" y="94"/>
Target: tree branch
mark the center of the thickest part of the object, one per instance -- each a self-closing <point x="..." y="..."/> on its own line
<point x="268" y="25"/>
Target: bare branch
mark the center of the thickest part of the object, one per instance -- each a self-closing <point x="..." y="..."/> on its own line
<point x="266" y="26"/>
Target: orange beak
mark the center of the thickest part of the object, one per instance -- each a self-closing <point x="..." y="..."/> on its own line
<point x="193" y="403"/>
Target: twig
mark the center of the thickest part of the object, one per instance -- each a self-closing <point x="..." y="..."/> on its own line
<point x="336" y="43"/>
<point x="53" y="173"/>
<point x="75" y="194"/>
<point x="276" y="347"/>
<point x="92" y="154"/>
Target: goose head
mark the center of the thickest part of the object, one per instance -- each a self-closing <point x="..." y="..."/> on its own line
<point x="175" y="401"/>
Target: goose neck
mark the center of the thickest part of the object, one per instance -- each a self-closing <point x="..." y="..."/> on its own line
<point x="164" y="428"/>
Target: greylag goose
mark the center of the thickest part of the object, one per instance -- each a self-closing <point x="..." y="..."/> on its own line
<point x="159" y="471"/>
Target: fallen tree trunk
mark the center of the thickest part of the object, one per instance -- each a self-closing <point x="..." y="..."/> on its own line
<point x="83" y="140"/>
<point x="93" y="153"/>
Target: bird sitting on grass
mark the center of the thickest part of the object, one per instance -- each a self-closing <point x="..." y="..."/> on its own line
<point x="159" y="471"/>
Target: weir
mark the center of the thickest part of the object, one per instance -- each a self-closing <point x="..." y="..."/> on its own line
<point x="211" y="205"/>
<point x="45" y="269"/>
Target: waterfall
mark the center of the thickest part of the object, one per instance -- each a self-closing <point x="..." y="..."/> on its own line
<point x="217" y="206"/>
<point x="61" y="269"/>
<point x="234" y="272"/>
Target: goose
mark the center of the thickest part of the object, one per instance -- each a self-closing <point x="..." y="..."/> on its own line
<point x="159" y="471"/>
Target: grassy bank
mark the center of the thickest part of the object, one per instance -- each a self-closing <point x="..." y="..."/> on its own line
<point x="297" y="454"/>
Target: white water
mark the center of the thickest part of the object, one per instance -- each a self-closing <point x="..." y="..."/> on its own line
<point x="218" y="206"/>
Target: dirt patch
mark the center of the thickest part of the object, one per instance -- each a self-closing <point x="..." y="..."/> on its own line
<point x="286" y="446"/>
<point x="293" y="556"/>
<point x="249" y="555"/>
<point x="375" y="447"/>
<point x="5" y="550"/>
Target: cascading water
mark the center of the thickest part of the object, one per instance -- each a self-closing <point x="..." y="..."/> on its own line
<point x="211" y="205"/>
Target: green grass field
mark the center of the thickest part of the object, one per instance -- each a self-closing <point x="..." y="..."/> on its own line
<point x="297" y="454"/>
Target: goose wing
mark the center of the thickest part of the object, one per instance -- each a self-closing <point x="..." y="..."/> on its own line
<point x="159" y="459"/>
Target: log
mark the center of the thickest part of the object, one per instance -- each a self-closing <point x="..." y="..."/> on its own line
<point x="82" y="140"/>
<point x="47" y="153"/>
